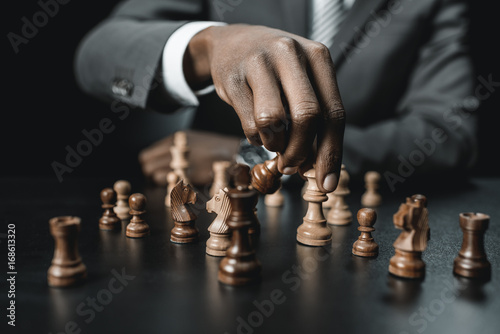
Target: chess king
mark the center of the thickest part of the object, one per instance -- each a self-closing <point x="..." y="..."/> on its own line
<point x="412" y="219"/>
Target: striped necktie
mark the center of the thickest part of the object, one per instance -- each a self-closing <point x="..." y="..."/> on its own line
<point x="326" y="19"/>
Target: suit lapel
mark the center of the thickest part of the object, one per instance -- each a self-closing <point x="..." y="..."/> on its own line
<point x="355" y="19"/>
<point x="296" y="16"/>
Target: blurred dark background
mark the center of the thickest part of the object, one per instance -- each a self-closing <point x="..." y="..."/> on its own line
<point x="45" y="111"/>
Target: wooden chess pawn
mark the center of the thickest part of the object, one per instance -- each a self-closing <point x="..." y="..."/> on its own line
<point x="220" y="236"/>
<point x="266" y="177"/>
<point x="330" y="202"/>
<point x="274" y="200"/>
<point x="314" y="231"/>
<point x="109" y="219"/>
<point x="221" y="176"/>
<point x="180" y="156"/>
<point x="471" y="260"/>
<point x="366" y="246"/>
<point x="340" y="214"/>
<point x="240" y="266"/>
<point x="172" y="180"/>
<point x="183" y="216"/>
<point x="137" y="228"/>
<point x="371" y="198"/>
<point x="122" y="189"/>
<point x="67" y="268"/>
<point x="412" y="218"/>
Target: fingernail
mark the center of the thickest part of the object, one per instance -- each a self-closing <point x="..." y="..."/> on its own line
<point x="289" y="170"/>
<point x="330" y="182"/>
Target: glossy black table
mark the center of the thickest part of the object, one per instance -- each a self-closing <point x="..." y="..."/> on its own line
<point x="151" y="285"/>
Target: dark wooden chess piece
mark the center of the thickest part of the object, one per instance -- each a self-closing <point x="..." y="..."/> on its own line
<point x="137" y="228"/>
<point x="412" y="218"/>
<point x="266" y="177"/>
<point x="184" y="218"/>
<point x="109" y="219"/>
<point x="220" y="236"/>
<point x="366" y="246"/>
<point x="67" y="268"/>
<point x="240" y="266"/>
<point x="471" y="260"/>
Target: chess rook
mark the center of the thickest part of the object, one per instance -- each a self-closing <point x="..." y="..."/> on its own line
<point x="220" y="236"/>
<point x="471" y="260"/>
<point x="371" y="198"/>
<point x="67" y="268"/>
<point x="221" y="176"/>
<point x="109" y="219"/>
<point x="266" y="177"/>
<point x="340" y="214"/>
<point x="137" y="228"/>
<point x="240" y="266"/>
<point x="366" y="246"/>
<point x="184" y="218"/>
<point x="314" y="231"/>
<point x="172" y="180"/>
<point x="122" y="189"/>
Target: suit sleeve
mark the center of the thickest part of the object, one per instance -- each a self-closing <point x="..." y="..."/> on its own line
<point x="120" y="59"/>
<point x="432" y="130"/>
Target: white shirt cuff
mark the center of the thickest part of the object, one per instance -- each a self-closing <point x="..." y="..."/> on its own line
<point x="172" y="63"/>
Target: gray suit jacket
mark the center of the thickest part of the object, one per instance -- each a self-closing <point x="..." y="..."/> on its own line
<point x="403" y="70"/>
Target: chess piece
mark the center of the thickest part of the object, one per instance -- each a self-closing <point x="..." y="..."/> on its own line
<point x="274" y="200"/>
<point x="180" y="156"/>
<point x="221" y="176"/>
<point x="172" y="180"/>
<point x="412" y="218"/>
<point x="340" y="214"/>
<point x="240" y="266"/>
<point x="184" y="230"/>
<point x="122" y="189"/>
<point x="314" y="231"/>
<point x="371" y="198"/>
<point x="137" y="228"/>
<point x="67" y="268"/>
<point x="471" y="260"/>
<point x="220" y="236"/>
<point x="109" y="219"/>
<point x="330" y="202"/>
<point x="266" y="177"/>
<point x="366" y="246"/>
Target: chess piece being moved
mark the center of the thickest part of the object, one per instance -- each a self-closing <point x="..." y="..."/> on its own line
<point x="314" y="231"/>
<point x="172" y="180"/>
<point x="266" y="177"/>
<point x="180" y="156"/>
<point x="340" y="214"/>
<point x="221" y="176"/>
<point x="109" y="219"/>
<point x="137" y="228"/>
<point x="240" y="266"/>
<point x="184" y="218"/>
<point x="413" y="219"/>
<point x="274" y="200"/>
<point x="67" y="268"/>
<point x="220" y="236"/>
<point x="366" y="246"/>
<point x="471" y="260"/>
<point x="371" y="198"/>
<point x="122" y="189"/>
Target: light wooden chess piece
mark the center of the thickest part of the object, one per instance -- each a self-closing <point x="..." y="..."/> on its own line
<point x="412" y="218"/>
<point x="314" y="231"/>
<point x="340" y="214"/>
<point x="109" y="219"/>
<point x="371" y="198"/>
<point x="366" y="246"/>
<point x="330" y="202"/>
<point x="137" y="228"/>
<point x="274" y="200"/>
<point x="220" y="236"/>
<point x="180" y="156"/>
<point x="221" y="177"/>
<point x="67" y="268"/>
<point x="122" y="188"/>
<point x="172" y="180"/>
<point x="184" y="218"/>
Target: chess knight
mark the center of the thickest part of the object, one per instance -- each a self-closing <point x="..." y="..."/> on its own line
<point x="184" y="230"/>
<point x="412" y="219"/>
